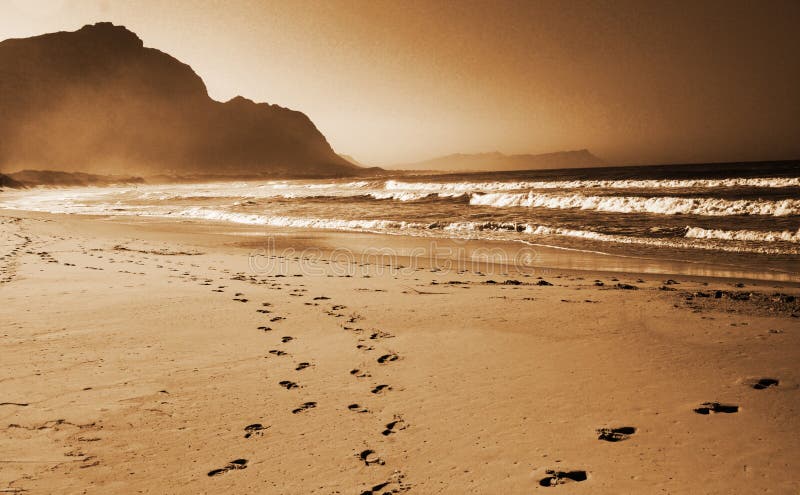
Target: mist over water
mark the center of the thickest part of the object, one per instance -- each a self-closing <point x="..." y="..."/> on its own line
<point x="752" y="216"/>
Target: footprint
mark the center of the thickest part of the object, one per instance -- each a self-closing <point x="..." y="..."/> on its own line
<point x="359" y="374"/>
<point x="716" y="407"/>
<point x="365" y="347"/>
<point x="370" y="457"/>
<point x="386" y="358"/>
<point x="302" y="366"/>
<point x="394" y="485"/>
<point x="288" y="385"/>
<point x="240" y="299"/>
<point x="377" y="489"/>
<point x="305" y="406"/>
<point x="277" y="352"/>
<point x="234" y="464"/>
<point x="254" y="429"/>
<point x="277" y="318"/>
<point x="265" y="329"/>
<point x="357" y="408"/>
<point x="394" y="426"/>
<point x="380" y="388"/>
<point x="763" y="383"/>
<point x="380" y="335"/>
<point x="615" y="434"/>
<point x="556" y="478"/>
<point x="286" y="339"/>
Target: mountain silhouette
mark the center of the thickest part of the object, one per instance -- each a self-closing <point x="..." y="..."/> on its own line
<point x="497" y="161"/>
<point x="97" y="101"/>
<point x="29" y="178"/>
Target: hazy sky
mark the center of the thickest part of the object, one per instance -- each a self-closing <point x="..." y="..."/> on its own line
<point x="387" y="82"/>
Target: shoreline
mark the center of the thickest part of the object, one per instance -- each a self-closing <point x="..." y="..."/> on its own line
<point x="523" y="257"/>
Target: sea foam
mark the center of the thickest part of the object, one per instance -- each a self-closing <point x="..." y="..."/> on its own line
<point x="636" y="204"/>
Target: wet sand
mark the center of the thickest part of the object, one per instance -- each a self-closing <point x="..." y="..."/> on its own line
<point x="159" y="357"/>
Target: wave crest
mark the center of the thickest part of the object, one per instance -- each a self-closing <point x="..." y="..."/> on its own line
<point x="743" y="235"/>
<point x="464" y="229"/>
<point x="756" y="182"/>
<point x="636" y="204"/>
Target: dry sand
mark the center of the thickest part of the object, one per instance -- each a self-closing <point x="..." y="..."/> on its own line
<point x="151" y="357"/>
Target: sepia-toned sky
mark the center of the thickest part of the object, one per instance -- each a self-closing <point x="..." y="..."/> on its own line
<point x="399" y="81"/>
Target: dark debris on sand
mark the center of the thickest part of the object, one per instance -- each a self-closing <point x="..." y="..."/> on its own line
<point x="751" y="302"/>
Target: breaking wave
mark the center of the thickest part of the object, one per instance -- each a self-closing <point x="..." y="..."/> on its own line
<point x="636" y="204"/>
<point x="564" y="213"/>
<point x="685" y="243"/>
<point x="763" y="182"/>
<point x="465" y="229"/>
<point x="743" y="235"/>
<point x="296" y="222"/>
<point x="661" y="205"/>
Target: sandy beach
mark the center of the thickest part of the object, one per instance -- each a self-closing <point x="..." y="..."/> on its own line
<point x="166" y="357"/>
<point x="372" y="247"/>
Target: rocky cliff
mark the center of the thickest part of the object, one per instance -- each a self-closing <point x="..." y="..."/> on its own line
<point x="97" y="100"/>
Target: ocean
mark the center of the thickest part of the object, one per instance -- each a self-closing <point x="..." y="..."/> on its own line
<point x="744" y="215"/>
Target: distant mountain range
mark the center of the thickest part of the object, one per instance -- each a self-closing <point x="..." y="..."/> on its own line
<point x="6" y="181"/>
<point x="30" y="178"/>
<point x="498" y="161"/>
<point x="97" y="101"/>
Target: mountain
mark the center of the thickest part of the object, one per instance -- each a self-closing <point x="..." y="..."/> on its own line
<point x="498" y="161"/>
<point x="96" y="100"/>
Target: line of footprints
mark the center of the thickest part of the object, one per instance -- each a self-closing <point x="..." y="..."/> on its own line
<point x="554" y="477"/>
<point x="370" y="457"/>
